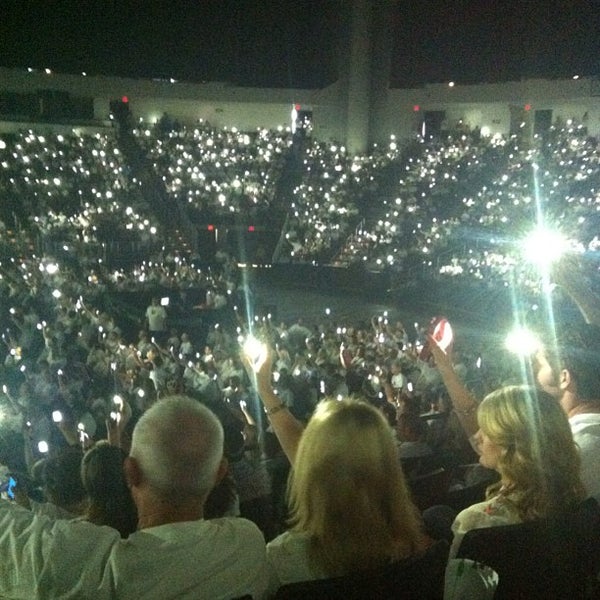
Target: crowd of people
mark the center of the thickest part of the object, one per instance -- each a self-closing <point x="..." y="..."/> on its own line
<point x="456" y="205"/>
<point x="161" y="384"/>
<point x="72" y="192"/>
<point x="218" y="172"/>
<point x="326" y="202"/>
<point x="464" y="205"/>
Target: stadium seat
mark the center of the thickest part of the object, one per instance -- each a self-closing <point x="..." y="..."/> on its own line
<point x="554" y="558"/>
<point x="418" y="579"/>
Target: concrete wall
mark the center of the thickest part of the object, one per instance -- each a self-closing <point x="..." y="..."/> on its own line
<point x="220" y="114"/>
<point x="486" y="105"/>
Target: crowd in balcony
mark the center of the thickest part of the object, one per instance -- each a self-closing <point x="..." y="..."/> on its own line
<point x="218" y="172"/>
<point x="465" y="204"/>
<point x="326" y="204"/>
<point x="72" y="189"/>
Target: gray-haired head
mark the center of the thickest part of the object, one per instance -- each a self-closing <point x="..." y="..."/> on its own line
<point x="178" y="445"/>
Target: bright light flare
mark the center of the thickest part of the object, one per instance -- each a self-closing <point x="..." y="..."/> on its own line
<point x="544" y="246"/>
<point x="255" y="351"/>
<point x="522" y="341"/>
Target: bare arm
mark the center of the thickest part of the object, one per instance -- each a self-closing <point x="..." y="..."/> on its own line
<point x="568" y="273"/>
<point x="286" y="427"/>
<point x="463" y="402"/>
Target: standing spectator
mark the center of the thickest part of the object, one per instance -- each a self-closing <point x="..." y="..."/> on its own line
<point x="156" y="318"/>
<point x="110" y="501"/>
<point x="569" y="369"/>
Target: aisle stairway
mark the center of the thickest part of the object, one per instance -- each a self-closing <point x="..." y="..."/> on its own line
<point x="180" y="234"/>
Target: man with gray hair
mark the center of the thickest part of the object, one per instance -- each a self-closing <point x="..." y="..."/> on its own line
<point x="176" y="458"/>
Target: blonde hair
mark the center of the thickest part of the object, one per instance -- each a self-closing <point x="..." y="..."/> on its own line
<point x="538" y="456"/>
<point x="347" y="490"/>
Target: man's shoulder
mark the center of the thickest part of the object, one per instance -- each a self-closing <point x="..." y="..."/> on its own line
<point x="213" y="532"/>
<point x="586" y="426"/>
<point x="220" y="558"/>
<point x="235" y="525"/>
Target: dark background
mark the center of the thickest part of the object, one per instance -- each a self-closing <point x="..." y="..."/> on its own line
<point x="288" y="43"/>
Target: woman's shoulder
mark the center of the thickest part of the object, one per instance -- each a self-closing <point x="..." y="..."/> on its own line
<point x="288" y="558"/>
<point x="490" y="513"/>
<point x="493" y="512"/>
<point x="289" y="543"/>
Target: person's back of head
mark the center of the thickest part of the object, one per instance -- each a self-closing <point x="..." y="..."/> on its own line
<point x="178" y="446"/>
<point x="347" y="490"/>
<point x="578" y="348"/>
<point x="411" y="428"/>
<point x="62" y="482"/>
<point x="575" y="348"/>
<point x="109" y="500"/>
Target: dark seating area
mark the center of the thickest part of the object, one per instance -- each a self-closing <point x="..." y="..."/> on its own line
<point x="554" y="559"/>
<point x="402" y="581"/>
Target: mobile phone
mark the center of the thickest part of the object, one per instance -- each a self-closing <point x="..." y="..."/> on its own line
<point x="10" y="490"/>
<point x="7" y="488"/>
<point x="441" y="331"/>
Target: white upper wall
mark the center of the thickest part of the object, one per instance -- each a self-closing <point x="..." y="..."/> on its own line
<point x="488" y="105"/>
<point x="485" y="105"/>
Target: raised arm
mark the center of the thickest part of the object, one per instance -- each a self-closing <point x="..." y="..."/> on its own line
<point x="568" y="273"/>
<point x="285" y="426"/>
<point x="463" y="402"/>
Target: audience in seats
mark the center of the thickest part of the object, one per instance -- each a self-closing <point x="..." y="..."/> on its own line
<point x="176" y="458"/>
<point x="524" y="436"/>
<point x="68" y="342"/>
<point x="350" y="506"/>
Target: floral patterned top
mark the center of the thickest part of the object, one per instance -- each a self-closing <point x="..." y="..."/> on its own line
<point x="491" y="513"/>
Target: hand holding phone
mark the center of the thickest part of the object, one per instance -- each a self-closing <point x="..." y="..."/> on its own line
<point x="441" y="331"/>
<point x="7" y="488"/>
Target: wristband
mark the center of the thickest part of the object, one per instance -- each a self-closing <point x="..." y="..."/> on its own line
<point x="466" y="411"/>
<point x="275" y="409"/>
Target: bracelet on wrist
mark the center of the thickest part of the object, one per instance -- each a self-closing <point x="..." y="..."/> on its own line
<point x="275" y="409"/>
<point x="466" y="411"/>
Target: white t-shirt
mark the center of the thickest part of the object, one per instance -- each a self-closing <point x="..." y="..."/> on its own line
<point x="586" y="433"/>
<point x="157" y="318"/>
<point x="42" y="558"/>
<point x="287" y="557"/>
<point x="398" y="381"/>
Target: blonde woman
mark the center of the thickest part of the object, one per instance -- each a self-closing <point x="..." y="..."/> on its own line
<point x="524" y="435"/>
<point x="349" y="504"/>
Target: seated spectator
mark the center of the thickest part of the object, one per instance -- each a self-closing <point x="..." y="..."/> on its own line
<point x="176" y="457"/>
<point x="109" y="500"/>
<point x="525" y="437"/>
<point x="61" y="484"/>
<point x="350" y="506"/>
<point x="412" y="433"/>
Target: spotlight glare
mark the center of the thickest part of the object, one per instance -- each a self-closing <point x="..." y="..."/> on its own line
<point x="522" y="341"/>
<point x="544" y="246"/>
